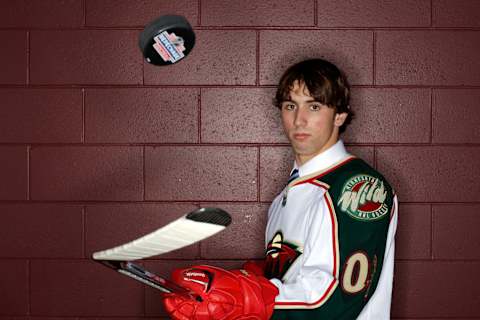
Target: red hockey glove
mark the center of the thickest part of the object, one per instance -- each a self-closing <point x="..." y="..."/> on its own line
<point x="257" y="267"/>
<point x="226" y="295"/>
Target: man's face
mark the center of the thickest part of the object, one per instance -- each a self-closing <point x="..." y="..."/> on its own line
<point x="310" y="126"/>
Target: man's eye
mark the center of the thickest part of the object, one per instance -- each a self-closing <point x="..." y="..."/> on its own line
<point x="315" y="107"/>
<point x="289" y="106"/>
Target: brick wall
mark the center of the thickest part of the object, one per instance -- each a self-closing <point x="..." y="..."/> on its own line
<point x="97" y="147"/>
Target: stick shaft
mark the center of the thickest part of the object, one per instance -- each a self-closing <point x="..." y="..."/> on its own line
<point x="138" y="273"/>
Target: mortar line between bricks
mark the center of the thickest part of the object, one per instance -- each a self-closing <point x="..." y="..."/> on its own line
<point x="239" y="144"/>
<point x="199" y="8"/>
<point x="374" y="63"/>
<point x="380" y="86"/>
<point x="194" y="202"/>
<point x="84" y="231"/>
<point x="199" y="115"/>
<point x="143" y="74"/>
<point x="84" y="3"/>
<point x="78" y="260"/>
<point x="143" y="70"/>
<point x="29" y="288"/>
<point x="431" y="13"/>
<point x="429" y="318"/>
<point x="248" y="28"/>
<point x="257" y="58"/>
<point x="439" y="260"/>
<point x="302" y="28"/>
<point x="28" y="173"/>
<point x="432" y="102"/>
<point x="144" y="297"/>
<point x="309" y="28"/>
<point x="88" y="260"/>
<point x="315" y="13"/>
<point x="220" y="86"/>
<point x="144" y="174"/>
<point x="83" y="116"/>
<point x="258" y="174"/>
<point x="431" y="232"/>
<point x="28" y="59"/>
<point x="197" y="202"/>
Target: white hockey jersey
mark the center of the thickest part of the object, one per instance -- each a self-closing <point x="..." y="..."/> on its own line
<point x="330" y="241"/>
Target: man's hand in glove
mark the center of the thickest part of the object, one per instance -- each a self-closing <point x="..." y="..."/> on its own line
<point x="227" y="295"/>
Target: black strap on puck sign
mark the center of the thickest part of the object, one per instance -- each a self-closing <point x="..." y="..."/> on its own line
<point x="166" y="40"/>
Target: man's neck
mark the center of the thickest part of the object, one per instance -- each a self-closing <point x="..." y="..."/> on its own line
<point x="302" y="159"/>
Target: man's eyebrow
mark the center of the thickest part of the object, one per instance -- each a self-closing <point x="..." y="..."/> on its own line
<point x="310" y="100"/>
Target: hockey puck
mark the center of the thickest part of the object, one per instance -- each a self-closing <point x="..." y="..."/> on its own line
<point x="166" y="40"/>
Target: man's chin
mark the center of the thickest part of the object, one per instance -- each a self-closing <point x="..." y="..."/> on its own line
<point x="303" y="154"/>
<point x="302" y="149"/>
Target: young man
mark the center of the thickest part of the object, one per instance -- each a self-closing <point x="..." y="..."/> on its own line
<point x="330" y="232"/>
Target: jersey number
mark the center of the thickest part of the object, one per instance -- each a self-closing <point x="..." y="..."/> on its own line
<point x="355" y="273"/>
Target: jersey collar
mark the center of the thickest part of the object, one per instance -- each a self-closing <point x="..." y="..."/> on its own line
<point x="324" y="160"/>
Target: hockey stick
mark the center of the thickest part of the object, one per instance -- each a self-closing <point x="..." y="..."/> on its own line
<point x="188" y="229"/>
<point x="138" y="273"/>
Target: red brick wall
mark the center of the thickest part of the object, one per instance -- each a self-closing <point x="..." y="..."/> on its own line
<point x="97" y="148"/>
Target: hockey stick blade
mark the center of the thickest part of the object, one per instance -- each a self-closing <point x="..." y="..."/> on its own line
<point x="188" y="229"/>
<point x="138" y="273"/>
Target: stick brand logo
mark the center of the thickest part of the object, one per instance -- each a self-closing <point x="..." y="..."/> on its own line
<point x="201" y="277"/>
<point x="363" y="198"/>
<point x="192" y="274"/>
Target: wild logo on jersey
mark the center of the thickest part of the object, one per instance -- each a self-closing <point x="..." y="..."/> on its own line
<point x="363" y="198"/>
<point x="280" y="255"/>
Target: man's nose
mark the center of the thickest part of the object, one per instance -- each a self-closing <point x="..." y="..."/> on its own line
<point x="300" y="117"/>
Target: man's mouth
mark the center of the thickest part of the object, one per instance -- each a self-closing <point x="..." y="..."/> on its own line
<point x="301" y="136"/>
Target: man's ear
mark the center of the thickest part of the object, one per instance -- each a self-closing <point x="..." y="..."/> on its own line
<point x="340" y="118"/>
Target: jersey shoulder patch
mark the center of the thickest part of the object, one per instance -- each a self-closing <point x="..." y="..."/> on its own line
<point x="360" y="191"/>
<point x="364" y="197"/>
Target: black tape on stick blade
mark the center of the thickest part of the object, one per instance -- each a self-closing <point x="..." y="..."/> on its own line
<point x="210" y="215"/>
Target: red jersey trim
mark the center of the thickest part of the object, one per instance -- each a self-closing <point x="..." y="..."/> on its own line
<point x="314" y="178"/>
<point x="335" y="272"/>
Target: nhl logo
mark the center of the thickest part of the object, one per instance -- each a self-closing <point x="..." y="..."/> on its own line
<point x="363" y="198"/>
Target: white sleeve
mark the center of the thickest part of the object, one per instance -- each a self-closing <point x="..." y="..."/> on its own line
<point x="378" y="307"/>
<point x="313" y="277"/>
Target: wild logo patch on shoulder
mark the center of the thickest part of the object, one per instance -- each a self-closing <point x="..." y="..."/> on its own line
<point x="363" y="197"/>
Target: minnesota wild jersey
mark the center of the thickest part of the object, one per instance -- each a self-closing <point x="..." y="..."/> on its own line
<point x="330" y="241"/>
